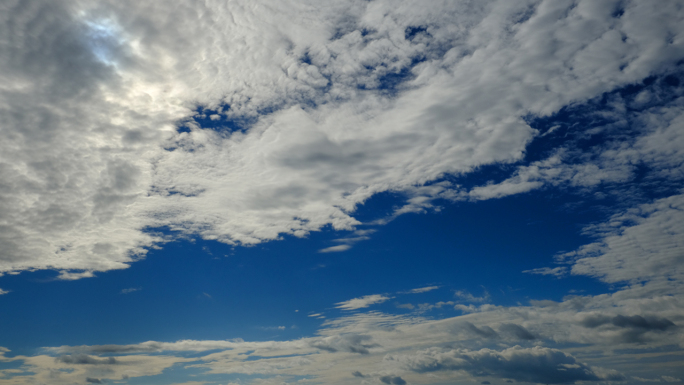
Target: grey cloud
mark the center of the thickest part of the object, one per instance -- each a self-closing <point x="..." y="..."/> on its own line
<point x="648" y="322"/>
<point x="516" y="331"/>
<point x="635" y="321"/>
<point x="539" y="365"/>
<point x="390" y="380"/>
<point x="632" y="328"/>
<point x="91" y="380"/>
<point x="482" y="331"/>
<point x="348" y="343"/>
<point x="485" y="383"/>
<point x="358" y="374"/>
<point x="84" y="359"/>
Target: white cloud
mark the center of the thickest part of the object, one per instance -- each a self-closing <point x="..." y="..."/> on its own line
<point x="468" y="297"/>
<point x="361" y="302"/>
<point x="642" y="244"/>
<point x="92" y="92"/>
<point x="3" y="291"/>
<point x="130" y="290"/>
<point x="335" y="249"/>
<point x="423" y="289"/>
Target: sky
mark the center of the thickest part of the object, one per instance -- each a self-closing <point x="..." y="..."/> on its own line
<point x="341" y="192"/>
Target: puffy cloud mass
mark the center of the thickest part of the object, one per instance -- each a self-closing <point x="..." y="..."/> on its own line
<point x="246" y="120"/>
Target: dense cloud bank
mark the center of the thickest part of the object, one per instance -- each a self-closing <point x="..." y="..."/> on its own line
<point x="334" y="104"/>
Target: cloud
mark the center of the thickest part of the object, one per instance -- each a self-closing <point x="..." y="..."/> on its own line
<point x="3" y="291"/>
<point x="467" y="297"/>
<point x="643" y="243"/>
<point x="348" y="242"/>
<point x="482" y="331"/>
<point x="556" y="271"/>
<point x="390" y="380"/>
<point x="353" y="343"/>
<point x="335" y="249"/>
<point x="82" y="197"/>
<point x="130" y="290"/>
<point x="84" y="359"/>
<point x="423" y="289"/>
<point x="361" y="302"/>
<point x="540" y="365"/>
<point x="516" y="331"/>
<point x="630" y="328"/>
<point x="91" y="380"/>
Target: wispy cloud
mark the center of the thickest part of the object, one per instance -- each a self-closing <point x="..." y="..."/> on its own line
<point x="362" y="302"/>
<point x="335" y="249"/>
<point x="423" y="289"/>
<point x="130" y="290"/>
<point x="559" y="271"/>
<point x="348" y="242"/>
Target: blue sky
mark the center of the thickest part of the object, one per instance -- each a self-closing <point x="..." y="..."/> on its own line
<point x="356" y="192"/>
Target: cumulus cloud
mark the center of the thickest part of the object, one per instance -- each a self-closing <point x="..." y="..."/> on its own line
<point x="361" y="302"/>
<point x="300" y="119"/>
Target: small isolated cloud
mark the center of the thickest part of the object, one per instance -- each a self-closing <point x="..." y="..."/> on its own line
<point x="273" y="328"/>
<point x="405" y="306"/>
<point x="556" y="271"/>
<point x="423" y="289"/>
<point x="316" y="315"/>
<point x="348" y="242"/>
<point x="3" y="292"/>
<point x="130" y="290"/>
<point x="335" y="249"/>
<point x="467" y="297"/>
<point x="361" y="302"/>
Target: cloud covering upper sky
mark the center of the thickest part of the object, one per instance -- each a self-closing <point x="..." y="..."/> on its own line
<point x="130" y="126"/>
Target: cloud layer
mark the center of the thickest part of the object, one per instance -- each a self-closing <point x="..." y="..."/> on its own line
<point x="103" y="141"/>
